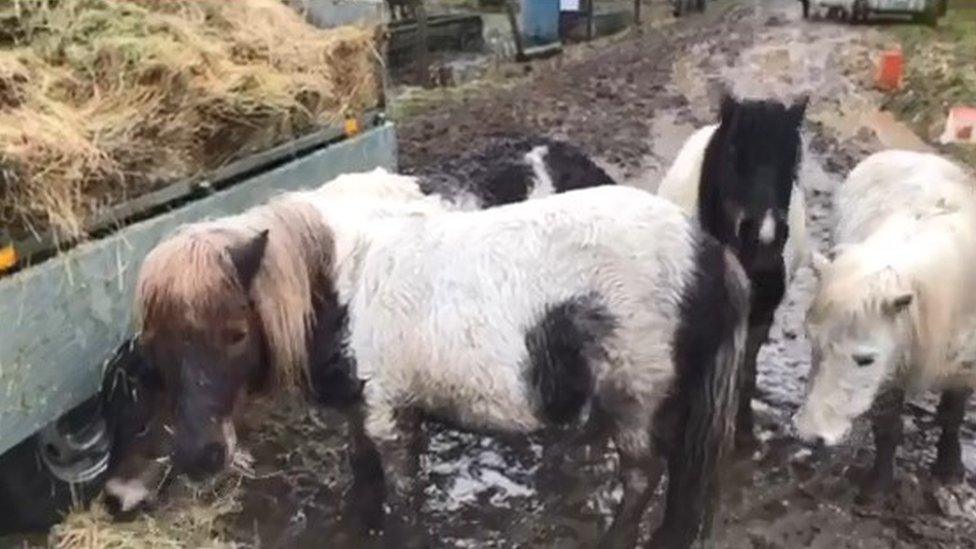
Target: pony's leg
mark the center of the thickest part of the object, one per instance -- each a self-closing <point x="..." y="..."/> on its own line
<point x="398" y="438"/>
<point x="888" y="428"/>
<point x="364" y="506"/>
<point x="640" y="473"/>
<point x="593" y="434"/>
<point x="768" y="289"/>
<point x="948" y="467"/>
<point x="745" y="436"/>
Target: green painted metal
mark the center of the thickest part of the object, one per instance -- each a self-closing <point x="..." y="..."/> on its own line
<point x="62" y="319"/>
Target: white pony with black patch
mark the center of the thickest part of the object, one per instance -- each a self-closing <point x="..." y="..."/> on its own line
<point x="739" y="178"/>
<point x="517" y="318"/>
<point x="895" y="309"/>
<point x="513" y="170"/>
<point x="511" y="319"/>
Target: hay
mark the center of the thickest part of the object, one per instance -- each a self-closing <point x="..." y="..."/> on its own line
<point x="102" y="100"/>
<point x="190" y="519"/>
<point x="301" y="446"/>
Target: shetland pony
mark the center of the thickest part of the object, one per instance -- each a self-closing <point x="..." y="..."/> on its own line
<point x="895" y="309"/>
<point x="739" y="178"/>
<point x="509" y="319"/>
<point x="263" y="324"/>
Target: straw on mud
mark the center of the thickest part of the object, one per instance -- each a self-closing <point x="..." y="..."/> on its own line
<point x="105" y="99"/>
<point x="190" y="520"/>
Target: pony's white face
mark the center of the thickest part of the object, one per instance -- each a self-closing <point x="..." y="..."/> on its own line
<point x="852" y="358"/>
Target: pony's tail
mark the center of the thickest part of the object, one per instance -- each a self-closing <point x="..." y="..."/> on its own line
<point x="708" y="354"/>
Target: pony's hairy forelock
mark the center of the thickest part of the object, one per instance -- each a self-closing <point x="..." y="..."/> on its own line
<point x="851" y="293"/>
<point x="191" y="272"/>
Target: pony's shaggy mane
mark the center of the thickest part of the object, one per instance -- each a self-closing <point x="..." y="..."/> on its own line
<point x="858" y="294"/>
<point x="756" y="132"/>
<point x="191" y="271"/>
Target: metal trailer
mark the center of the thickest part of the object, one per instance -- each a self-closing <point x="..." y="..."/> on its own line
<point x="62" y="319"/>
<point x="858" y="11"/>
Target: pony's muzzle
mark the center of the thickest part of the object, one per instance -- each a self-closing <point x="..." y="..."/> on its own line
<point x="206" y="455"/>
<point x="124" y="499"/>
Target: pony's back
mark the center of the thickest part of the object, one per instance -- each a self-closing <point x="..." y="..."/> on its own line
<point x="680" y="184"/>
<point x="894" y="183"/>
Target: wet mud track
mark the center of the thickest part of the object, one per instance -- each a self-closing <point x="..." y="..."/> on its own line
<point x="630" y="103"/>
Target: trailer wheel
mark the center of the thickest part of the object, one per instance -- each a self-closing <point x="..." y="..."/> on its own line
<point x="64" y="464"/>
<point x="32" y="497"/>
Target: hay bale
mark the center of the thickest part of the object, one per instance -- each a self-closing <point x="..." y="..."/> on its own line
<point x="101" y="100"/>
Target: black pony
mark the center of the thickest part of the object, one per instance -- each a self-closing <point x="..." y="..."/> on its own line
<point x="748" y="200"/>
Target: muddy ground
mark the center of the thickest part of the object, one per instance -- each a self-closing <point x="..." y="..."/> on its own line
<point x="630" y="102"/>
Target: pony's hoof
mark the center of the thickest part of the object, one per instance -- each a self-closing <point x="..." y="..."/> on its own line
<point x="949" y="473"/>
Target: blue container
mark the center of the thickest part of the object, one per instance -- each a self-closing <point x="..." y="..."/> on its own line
<point x="540" y="21"/>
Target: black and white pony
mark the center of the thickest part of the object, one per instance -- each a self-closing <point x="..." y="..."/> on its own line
<point x="739" y="177"/>
<point x="511" y="319"/>
<point x="895" y="308"/>
<point x="509" y="170"/>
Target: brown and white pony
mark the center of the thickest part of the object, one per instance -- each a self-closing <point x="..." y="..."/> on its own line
<point x="226" y="307"/>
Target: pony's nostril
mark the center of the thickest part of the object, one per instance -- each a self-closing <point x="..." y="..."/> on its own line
<point x="113" y="505"/>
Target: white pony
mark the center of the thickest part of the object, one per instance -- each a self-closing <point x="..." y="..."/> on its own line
<point x="738" y="178"/>
<point x="895" y="310"/>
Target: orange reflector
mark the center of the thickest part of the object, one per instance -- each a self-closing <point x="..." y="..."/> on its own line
<point x="352" y="127"/>
<point x="890" y="71"/>
<point x="8" y="258"/>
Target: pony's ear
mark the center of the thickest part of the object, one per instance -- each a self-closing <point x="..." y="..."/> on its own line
<point x="837" y="250"/>
<point x="818" y="262"/>
<point x="799" y="109"/>
<point x="894" y="305"/>
<point x="247" y="257"/>
<point x="728" y="107"/>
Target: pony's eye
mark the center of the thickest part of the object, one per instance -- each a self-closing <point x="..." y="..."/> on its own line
<point x="863" y="360"/>
<point x="233" y="336"/>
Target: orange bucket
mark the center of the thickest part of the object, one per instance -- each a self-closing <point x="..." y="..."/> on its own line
<point x="890" y="71"/>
